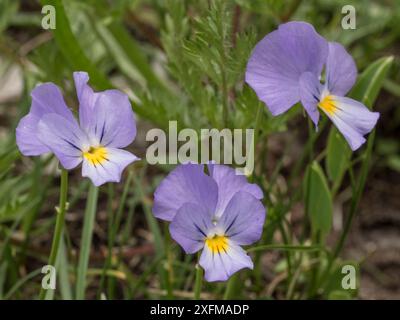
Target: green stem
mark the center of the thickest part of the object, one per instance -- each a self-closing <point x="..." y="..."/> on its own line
<point x="87" y="233"/>
<point x="168" y="264"/>
<point x="113" y="227"/>
<point x="230" y="287"/>
<point x="199" y="281"/>
<point x="356" y="199"/>
<point x="256" y="132"/>
<point x="59" y="223"/>
<point x="287" y="248"/>
<point x="353" y="208"/>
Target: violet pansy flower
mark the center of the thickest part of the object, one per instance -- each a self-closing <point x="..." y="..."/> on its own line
<point x="106" y="125"/>
<point x="216" y="212"/>
<point x="285" y="68"/>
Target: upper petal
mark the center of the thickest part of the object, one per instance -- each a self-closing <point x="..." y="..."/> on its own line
<point x="310" y="93"/>
<point x="190" y="227"/>
<point x="112" y="122"/>
<point x="243" y="219"/>
<point x="87" y="98"/>
<point x="353" y="119"/>
<point x="228" y="184"/>
<point x="278" y="61"/>
<point x="186" y="183"/>
<point x="46" y="98"/>
<point x="341" y="70"/>
<point x="64" y="138"/>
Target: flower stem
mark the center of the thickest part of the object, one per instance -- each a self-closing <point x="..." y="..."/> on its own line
<point x="168" y="264"/>
<point x="357" y="197"/>
<point x="59" y="223"/>
<point x="198" y="281"/>
<point x="87" y="233"/>
<point x="58" y="231"/>
<point x="353" y="208"/>
<point x="256" y="133"/>
<point x="231" y="287"/>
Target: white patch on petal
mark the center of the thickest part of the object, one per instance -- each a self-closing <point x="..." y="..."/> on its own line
<point x="352" y="118"/>
<point x="219" y="266"/>
<point x="109" y="166"/>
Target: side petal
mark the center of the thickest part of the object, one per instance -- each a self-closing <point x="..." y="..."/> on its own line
<point x="310" y="92"/>
<point x="353" y="119"/>
<point x="190" y="227"/>
<point x="228" y="184"/>
<point x="341" y="70"/>
<point x="64" y="138"/>
<point x="46" y="99"/>
<point x="27" y="141"/>
<point x="108" y="166"/>
<point x="278" y="61"/>
<point x="112" y="121"/>
<point x="220" y="266"/>
<point x="243" y="219"/>
<point x="186" y="183"/>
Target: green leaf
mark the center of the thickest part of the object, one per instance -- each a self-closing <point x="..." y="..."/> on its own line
<point x="370" y="82"/>
<point x="8" y="9"/>
<point x="318" y="199"/>
<point x="133" y="53"/>
<point x="338" y="155"/>
<point x="71" y="49"/>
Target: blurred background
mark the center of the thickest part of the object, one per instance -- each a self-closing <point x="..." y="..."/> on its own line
<point x="184" y="60"/>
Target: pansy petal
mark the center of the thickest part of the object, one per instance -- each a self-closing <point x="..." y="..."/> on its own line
<point x="112" y="120"/>
<point x="186" y="183"/>
<point x="228" y="184"/>
<point x="107" y="166"/>
<point x="190" y="227"/>
<point x="310" y="91"/>
<point x="64" y="138"/>
<point x="27" y="141"/>
<point x="219" y="266"/>
<point x="46" y="98"/>
<point x="243" y="219"/>
<point x="353" y="119"/>
<point x="87" y="98"/>
<point x="341" y="70"/>
<point x="278" y="61"/>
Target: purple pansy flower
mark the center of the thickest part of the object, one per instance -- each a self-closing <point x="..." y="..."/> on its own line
<point x="106" y="124"/>
<point x="285" y="68"/>
<point x="218" y="213"/>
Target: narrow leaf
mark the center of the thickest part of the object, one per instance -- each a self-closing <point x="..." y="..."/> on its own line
<point x="338" y="155"/>
<point x="71" y="49"/>
<point x="370" y="81"/>
<point x="318" y="200"/>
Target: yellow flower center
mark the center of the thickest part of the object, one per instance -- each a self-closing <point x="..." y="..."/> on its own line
<point x="328" y="105"/>
<point x="96" y="155"/>
<point x="217" y="244"/>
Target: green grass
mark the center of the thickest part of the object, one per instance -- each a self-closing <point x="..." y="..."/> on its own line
<point x="183" y="61"/>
